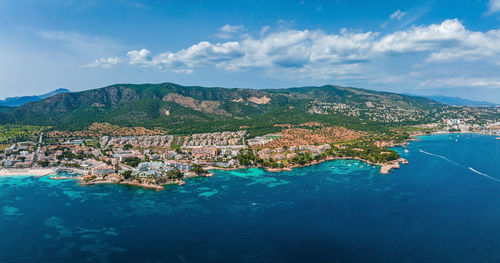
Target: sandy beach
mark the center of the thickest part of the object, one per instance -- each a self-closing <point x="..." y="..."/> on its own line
<point x="31" y="172"/>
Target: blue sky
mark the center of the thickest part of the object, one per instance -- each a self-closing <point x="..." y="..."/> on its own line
<point x="418" y="47"/>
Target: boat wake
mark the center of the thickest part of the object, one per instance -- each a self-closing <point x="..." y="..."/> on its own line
<point x="444" y="158"/>
<point x="459" y="165"/>
<point x="483" y="174"/>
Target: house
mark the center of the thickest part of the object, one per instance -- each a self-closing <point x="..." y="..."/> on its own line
<point x="180" y="166"/>
<point x="170" y="155"/>
<point x="204" y="152"/>
<point x="233" y="162"/>
<point x="221" y="164"/>
<point x="23" y="164"/>
<point x="103" y="170"/>
<point x="123" y="155"/>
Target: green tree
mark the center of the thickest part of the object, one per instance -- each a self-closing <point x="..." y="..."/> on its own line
<point x="132" y="161"/>
<point x="127" y="147"/>
<point x="127" y="175"/>
<point x="198" y="170"/>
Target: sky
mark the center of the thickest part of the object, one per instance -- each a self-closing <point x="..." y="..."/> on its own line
<point x="422" y="47"/>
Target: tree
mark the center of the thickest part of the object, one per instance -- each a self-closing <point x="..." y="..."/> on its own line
<point x="127" y="147"/>
<point x="246" y="157"/>
<point x="127" y="174"/>
<point x="175" y="174"/>
<point x="43" y="163"/>
<point x="133" y="161"/>
<point x="198" y="170"/>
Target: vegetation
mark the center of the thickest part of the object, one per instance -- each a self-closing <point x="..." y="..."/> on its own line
<point x="67" y="155"/>
<point x="15" y="133"/>
<point x="43" y="163"/>
<point x="127" y="147"/>
<point x="198" y="170"/>
<point x="187" y="110"/>
<point x="133" y="161"/>
<point x="175" y="174"/>
<point x="365" y="150"/>
<point x="127" y="175"/>
<point x="246" y="157"/>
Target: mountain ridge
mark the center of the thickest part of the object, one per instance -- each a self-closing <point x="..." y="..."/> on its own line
<point x="458" y="101"/>
<point x="21" y="100"/>
<point x="188" y="109"/>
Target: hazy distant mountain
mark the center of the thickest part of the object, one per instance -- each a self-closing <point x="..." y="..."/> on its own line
<point x="188" y="109"/>
<point x="457" y="101"/>
<point x="18" y="101"/>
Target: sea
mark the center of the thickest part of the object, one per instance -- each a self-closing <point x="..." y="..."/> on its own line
<point x="444" y="206"/>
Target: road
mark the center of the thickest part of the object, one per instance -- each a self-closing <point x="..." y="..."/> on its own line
<point x="38" y="150"/>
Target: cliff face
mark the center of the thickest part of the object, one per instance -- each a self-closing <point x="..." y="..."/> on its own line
<point x="193" y="108"/>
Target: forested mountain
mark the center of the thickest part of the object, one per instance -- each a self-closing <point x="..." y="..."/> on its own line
<point x="187" y="109"/>
<point x="18" y="101"/>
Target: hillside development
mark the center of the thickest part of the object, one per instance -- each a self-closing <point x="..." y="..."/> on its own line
<point x="302" y="136"/>
<point x="155" y="134"/>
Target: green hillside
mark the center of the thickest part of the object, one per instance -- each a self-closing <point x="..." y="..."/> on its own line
<point x="5" y="108"/>
<point x="188" y="109"/>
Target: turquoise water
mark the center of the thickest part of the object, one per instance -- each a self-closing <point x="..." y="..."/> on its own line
<point x="435" y="209"/>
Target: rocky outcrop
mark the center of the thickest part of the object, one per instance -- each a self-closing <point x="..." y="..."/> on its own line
<point x="206" y="106"/>
<point x="261" y="100"/>
<point x="386" y="168"/>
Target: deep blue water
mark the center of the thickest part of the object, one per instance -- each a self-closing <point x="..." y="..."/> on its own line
<point x="432" y="210"/>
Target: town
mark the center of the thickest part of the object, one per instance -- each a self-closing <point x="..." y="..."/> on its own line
<point x="153" y="161"/>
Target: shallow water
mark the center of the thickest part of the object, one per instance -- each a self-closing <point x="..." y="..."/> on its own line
<point x="431" y="210"/>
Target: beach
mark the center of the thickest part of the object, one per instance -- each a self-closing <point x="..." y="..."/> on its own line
<point x="27" y="172"/>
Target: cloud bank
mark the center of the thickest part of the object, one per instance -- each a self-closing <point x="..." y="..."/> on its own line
<point x="302" y="54"/>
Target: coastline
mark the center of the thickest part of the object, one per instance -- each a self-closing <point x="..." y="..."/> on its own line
<point x="385" y="168"/>
<point x="38" y="172"/>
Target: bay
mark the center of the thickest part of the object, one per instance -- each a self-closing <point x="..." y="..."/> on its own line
<point x="443" y="206"/>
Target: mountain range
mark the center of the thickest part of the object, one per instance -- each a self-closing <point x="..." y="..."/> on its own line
<point x="188" y="109"/>
<point x="18" y="101"/>
<point x="457" y="101"/>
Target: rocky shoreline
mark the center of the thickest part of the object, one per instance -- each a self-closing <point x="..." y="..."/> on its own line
<point x="385" y="168"/>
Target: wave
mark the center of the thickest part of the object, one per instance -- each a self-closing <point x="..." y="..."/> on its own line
<point x="462" y="166"/>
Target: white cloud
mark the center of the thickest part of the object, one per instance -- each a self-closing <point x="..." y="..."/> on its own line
<point x="298" y="48"/>
<point x="104" y="62"/>
<point x="344" y="57"/>
<point x="493" y="7"/>
<point x="397" y="15"/>
<point x="423" y="38"/>
<point x="203" y="53"/>
<point x="468" y="82"/>
<point x="228" y="31"/>
<point x="448" y="41"/>
<point x="141" y="57"/>
<point x="264" y="30"/>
